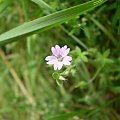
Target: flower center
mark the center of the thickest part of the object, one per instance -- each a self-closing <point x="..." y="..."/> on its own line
<point x="60" y="58"/>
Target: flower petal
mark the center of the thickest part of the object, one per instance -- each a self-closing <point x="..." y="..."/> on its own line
<point x="56" y="50"/>
<point x="55" y="66"/>
<point x="51" y="62"/>
<point x="58" y="65"/>
<point x="66" y="60"/>
<point x="64" y="51"/>
<point x="57" y="47"/>
<point x="50" y="58"/>
<point x="65" y="47"/>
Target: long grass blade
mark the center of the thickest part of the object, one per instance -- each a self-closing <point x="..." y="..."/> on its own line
<point x="48" y="21"/>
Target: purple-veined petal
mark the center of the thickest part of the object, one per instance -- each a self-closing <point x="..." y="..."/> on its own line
<point x="64" y="51"/>
<point x="57" y="47"/>
<point x="50" y="58"/>
<point x="65" y="47"/>
<point x="60" y="64"/>
<point x="55" y="66"/>
<point x="56" y="50"/>
<point x="66" y="60"/>
<point x="51" y="62"/>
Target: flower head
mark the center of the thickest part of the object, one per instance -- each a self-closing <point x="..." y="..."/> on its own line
<point x="59" y="57"/>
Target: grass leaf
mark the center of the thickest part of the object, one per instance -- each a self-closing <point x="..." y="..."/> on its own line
<point x="48" y="21"/>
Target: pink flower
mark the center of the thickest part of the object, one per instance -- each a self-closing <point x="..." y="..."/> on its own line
<point x="59" y="57"/>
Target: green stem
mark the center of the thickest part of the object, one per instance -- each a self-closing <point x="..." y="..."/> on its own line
<point x="26" y="16"/>
<point x="97" y="23"/>
<point x="95" y="75"/>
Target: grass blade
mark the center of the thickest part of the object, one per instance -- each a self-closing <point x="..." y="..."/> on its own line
<point x="3" y="5"/>
<point x="48" y="21"/>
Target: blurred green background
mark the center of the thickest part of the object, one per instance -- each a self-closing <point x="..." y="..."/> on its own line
<point x="27" y="89"/>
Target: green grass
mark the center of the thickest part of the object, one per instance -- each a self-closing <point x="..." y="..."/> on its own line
<point x="27" y="89"/>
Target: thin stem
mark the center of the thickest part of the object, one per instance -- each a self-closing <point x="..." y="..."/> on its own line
<point x="95" y="75"/>
<point x="97" y="23"/>
<point x="74" y="37"/>
<point x="17" y="79"/>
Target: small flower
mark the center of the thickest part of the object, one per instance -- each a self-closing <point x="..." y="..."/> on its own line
<point x="59" y="57"/>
